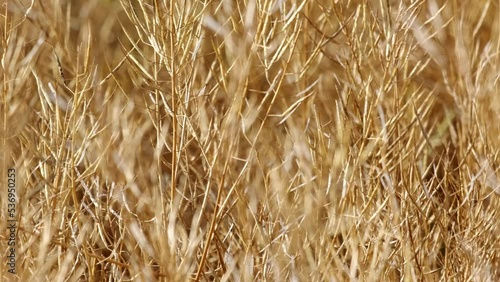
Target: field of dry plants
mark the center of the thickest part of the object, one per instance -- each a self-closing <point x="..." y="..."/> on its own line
<point x="252" y="140"/>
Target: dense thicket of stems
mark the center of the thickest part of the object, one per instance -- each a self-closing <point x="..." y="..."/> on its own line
<point x="255" y="140"/>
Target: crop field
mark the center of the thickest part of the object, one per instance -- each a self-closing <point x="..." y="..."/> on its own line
<point x="249" y="140"/>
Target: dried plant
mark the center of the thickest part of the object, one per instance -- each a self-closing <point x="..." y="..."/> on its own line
<point x="255" y="140"/>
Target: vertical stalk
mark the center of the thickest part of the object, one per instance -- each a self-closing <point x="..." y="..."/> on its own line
<point x="174" y="101"/>
<point x="159" y="125"/>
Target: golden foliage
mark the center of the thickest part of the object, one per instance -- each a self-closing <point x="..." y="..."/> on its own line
<point x="256" y="140"/>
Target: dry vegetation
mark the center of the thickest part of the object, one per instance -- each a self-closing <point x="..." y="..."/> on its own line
<point x="253" y="140"/>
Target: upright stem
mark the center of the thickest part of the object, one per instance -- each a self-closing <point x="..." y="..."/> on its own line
<point x="174" y="101"/>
